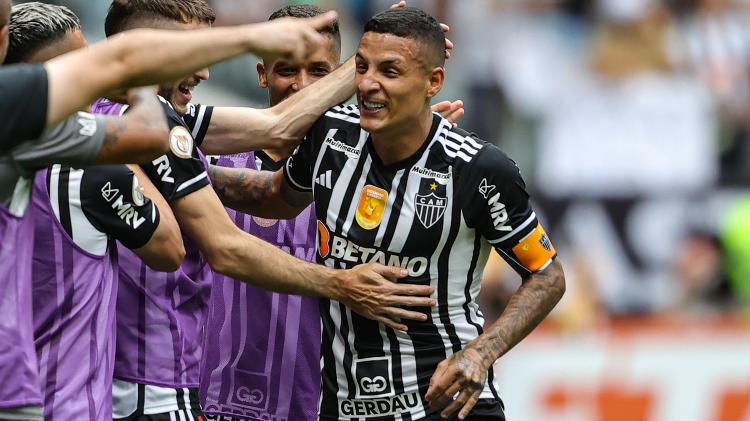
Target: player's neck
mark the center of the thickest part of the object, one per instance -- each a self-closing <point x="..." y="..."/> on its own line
<point x="402" y="142"/>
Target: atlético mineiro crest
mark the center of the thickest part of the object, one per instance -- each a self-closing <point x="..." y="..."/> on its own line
<point x="430" y="208"/>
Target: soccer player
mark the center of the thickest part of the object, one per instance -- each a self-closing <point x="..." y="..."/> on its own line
<point x="77" y="213"/>
<point x="282" y="366"/>
<point x="160" y="317"/>
<point x="393" y="182"/>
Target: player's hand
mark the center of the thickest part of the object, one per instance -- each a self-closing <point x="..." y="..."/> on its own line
<point x="292" y="39"/>
<point x="463" y="373"/>
<point x="452" y="111"/>
<point x="371" y="290"/>
<point x="446" y="29"/>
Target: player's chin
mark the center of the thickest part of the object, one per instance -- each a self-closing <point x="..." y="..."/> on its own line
<point x="370" y="124"/>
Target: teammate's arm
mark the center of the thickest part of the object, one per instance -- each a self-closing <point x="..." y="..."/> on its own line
<point x="146" y="57"/>
<point x="117" y="199"/>
<point x="497" y="205"/>
<point x="261" y="193"/>
<point x="165" y="250"/>
<point x="367" y="289"/>
<point x="138" y="136"/>
<point x="242" y="129"/>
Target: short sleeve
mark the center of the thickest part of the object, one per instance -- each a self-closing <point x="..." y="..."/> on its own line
<point x="180" y="171"/>
<point x="197" y="119"/>
<point x="299" y="166"/>
<point x="113" y="201"/>
<point x="75" y="142"/>
<point x="23" y="104"/>
<point x="497" y="205"/>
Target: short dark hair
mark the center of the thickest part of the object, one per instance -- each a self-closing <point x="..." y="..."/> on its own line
<point x="309" y="11"/>
<point x="410" y="22"/>
<point x="126" y="14"/>
<point x="36" y="25"/>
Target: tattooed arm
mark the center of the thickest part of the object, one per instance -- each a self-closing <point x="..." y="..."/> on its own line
<point x="138" y="136"/>
<point x="466" y="371"/>
<point x="262" y="193"/>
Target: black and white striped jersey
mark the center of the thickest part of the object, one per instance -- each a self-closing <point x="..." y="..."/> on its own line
<point x="436" y="214"/>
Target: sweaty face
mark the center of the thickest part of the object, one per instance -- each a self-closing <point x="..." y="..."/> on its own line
<point x="180" y="93"/>
<point x="72" y="41"/>
<point x="392" y="82"/>
<point x="283" y="79"/>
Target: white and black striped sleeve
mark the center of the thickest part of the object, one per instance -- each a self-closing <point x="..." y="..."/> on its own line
<point x="496" y="204"/>
<point x="198" y="118"/>
<point x="299" y="166"/>
<point x="101" y="202"/>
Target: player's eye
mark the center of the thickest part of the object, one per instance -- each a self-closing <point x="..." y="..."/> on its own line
<point x="320" y="71"/>
<point x="361" y="67"/>
<point x="286" y="72"/>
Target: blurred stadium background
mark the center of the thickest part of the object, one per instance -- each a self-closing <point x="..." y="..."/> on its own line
<point x="630" y="121"/>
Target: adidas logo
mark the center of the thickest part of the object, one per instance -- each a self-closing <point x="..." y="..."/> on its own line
<point x="324" y="179"/>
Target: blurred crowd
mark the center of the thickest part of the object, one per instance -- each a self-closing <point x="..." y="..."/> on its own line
<point x="629" y="120"/>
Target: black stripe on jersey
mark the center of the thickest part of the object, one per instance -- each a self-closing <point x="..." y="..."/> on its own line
<point x="351" y="193"/>
<point x="467" y="296"/>
<point x="443" y="268"/>
<point x="350" y="382"/>
<point x="63" y="199"/>
<point x="396" y="209"/>
<point x="180" y="398"/>
<point x="398" y="377"/>
<point x="329" y="404"/>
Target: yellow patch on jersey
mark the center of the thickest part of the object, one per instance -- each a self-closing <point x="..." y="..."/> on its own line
<point x="535" y="250"/>
<point x="371" y="206"/>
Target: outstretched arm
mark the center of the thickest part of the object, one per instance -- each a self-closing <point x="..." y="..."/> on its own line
<point x="146" y="57"/>
<point x="368" y="289"/>
<point x="242" y="129"/>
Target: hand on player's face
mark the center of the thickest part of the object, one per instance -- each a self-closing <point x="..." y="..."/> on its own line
<point x="291" y="39"/>
<point x="371" y="290"/>
<point x="464" y="374"/>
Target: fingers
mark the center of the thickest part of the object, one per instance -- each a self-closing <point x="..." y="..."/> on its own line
<point x="413" y="290"/>
<point x="321" y="21"/>
<point x="398" y="5"/>
<point x="400" y="300"/>
<point x="389" y="272"/>
<point x="473" y="399"/>
<point x="397" y="313"/>
<point x="395" y="324"/>
<point x="459" y="403"/>
<point x="441" y="107"/>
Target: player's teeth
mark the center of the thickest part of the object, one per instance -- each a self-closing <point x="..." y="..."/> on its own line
<point x="373" y="105"/>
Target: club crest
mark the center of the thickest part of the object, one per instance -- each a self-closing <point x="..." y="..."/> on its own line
<point x="430" y="208"/>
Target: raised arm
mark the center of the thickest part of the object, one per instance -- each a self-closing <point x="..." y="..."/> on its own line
<point x="242" y="129"/>
<point x="262" y="193"/>
<point x="367" y="289"/>
<point x="138" y="136"/>
<point x="146" y="57"/>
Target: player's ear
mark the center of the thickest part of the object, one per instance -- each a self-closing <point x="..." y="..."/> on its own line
<point x="435" y="82"/>
<point x="262" y="80"/>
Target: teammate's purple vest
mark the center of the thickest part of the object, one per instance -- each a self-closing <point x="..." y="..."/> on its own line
<point x="74" y="298"/>
<point x="18" y="365"/>
<point x="160" y="315"/>
<point x="278" y="375"/>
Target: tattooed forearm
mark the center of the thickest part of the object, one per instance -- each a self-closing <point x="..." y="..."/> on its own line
<point x="526" y="309"/>
<point x="240" y="188"/>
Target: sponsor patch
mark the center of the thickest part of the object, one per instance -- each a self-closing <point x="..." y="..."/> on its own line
<point x="324" y="238"/>
<point x="87" y="121"/>
<point x="371" y="206"/>
<point x="486" y="188"/>
<point x="373" y="377"/>
<point x="379" y="407"/>
<point x="440" y="177"/>
<point x="263" y="222"/>
<point x="351" y="152"/>
<point x="535" y="250"/>
<point x="181" y="142"/>
<point x="138" y="197"/>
